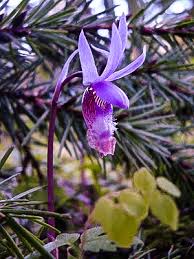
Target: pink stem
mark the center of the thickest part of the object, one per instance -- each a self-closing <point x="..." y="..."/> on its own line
<point x="50" y="175"/>
<point x="51" y="221"/>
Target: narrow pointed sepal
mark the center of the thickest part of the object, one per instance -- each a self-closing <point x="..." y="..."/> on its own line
<point x="104" y="53"/>
<point x="65" y="69"/>
<point x="123" y="30"/>
<point x="130" y="68"/>
<point x="114" y="54"/>
<point x="88" y="66"/>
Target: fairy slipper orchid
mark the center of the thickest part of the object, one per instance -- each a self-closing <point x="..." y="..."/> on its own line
<point x="101" y="94"/>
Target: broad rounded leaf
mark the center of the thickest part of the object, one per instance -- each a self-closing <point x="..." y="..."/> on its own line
<point x="119" y="225"/>
<point x="144" y="182"/>
<point x="167" y="186"/>
<point x="134" y="203"/>
<point x="164" y="208"/>
<point x="102" y="211"/>
<point x="122" y="227"/>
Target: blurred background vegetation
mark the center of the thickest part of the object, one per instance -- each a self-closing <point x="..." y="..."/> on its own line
<point x="36" y="38"/>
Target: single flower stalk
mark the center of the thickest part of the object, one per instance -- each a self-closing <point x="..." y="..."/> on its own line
<point x="61" y="82"/>
<point x="101" y="94"/>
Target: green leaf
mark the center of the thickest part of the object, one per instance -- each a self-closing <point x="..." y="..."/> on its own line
<point x="95" y="240"/>
<point x="144" y="182"/>
<point x="134" y="203"/>
<point x="36" y="126"/>
<point x="29" y="186"/>
<point x="164" y="208"/>
<point x="119" y="225"/>
<point x="142" y="11"/>
<point x="41" y="213"/>
<point x="12" y="245"/>
<point x="30" y="191"/>
<point x="6" y="156"/>
<point x="122" y="227"/>
<point x="17" y="10"/>
<point x="41" y="222"/>
<point x="30" y="238"/>
<point x="8" y="179"/>
<point x="166" y="5"/>
<point x="102" y="211"/>
<point x="57" y="16"/>
<point x="42" y="11"/>
<point x="167" y="186"/>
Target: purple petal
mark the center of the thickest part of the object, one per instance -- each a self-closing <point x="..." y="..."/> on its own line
<point x="99" y="120"/>
<point x="114" y="55"/>
<point x="88" y="66"/>
<point x="65" y="69"/>
<point x="130" y="68"/>
<point x="105" y="53"/>
<point x="123" y="31"/>
<point x="110" y="93"/>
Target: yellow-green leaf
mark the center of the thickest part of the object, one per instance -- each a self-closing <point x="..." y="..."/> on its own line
<point x="164" y="208"/>
<point x="144" y="182"/>
<point x="134" y="203"/>
<point x="167" y="186"/>
<point x="122" y="227"/>
<point x="116" y="222"/>
<point x="102" y="211"/>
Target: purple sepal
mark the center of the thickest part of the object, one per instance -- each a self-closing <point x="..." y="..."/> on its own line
<point x="65" y="69"/>
<point x="123" y="31"/>
<point x="114" y="54"/>
<point x="130" y="68"/>
<point x="87" y="60"/>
